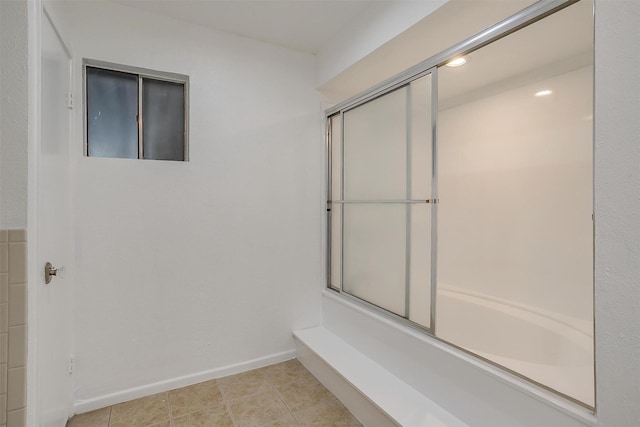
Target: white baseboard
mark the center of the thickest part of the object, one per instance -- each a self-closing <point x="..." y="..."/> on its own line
<point x="82" y="406"/>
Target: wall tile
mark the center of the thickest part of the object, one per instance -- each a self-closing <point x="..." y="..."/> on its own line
<point x="18" y="235"/>
<point x="4" y="236"/>
<point x="4" y="287"/>
<point x="3" y="378"/>
<point x="17" y="346"/>
<point x="3" y="409"/>
<point x="17" y="263"/>
<point x="16" y="418"/>
<point x="16" y="396"/>
<point x="4" y="348"/>
<point x="4" y="257"/>
<point x="4" y="318"/>
<point x="17" y="305"/>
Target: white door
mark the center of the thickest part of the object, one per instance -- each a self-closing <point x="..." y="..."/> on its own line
<point x="54" y="232"/>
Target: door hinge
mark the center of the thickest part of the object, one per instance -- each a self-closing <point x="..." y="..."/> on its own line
<point x="69" y="100"/>
<point x="71" y="364"/>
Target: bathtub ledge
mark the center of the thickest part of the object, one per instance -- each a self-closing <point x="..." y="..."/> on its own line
<point x="398" y="401"/>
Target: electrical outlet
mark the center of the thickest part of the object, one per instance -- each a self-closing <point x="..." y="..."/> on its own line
<point x="71" y="364"/>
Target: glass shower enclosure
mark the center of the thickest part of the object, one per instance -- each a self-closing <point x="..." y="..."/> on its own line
<point x="468" y="190"/>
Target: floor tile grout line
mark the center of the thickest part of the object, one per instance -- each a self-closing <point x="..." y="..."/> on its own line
<point x="170" y="408"/>
<point x="286" y="405"/>
<point x="227" y="405"/>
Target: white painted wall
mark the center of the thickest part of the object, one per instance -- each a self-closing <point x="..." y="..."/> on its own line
<point x="356" y="69"/>
<point x="617" y="212"/>
<point x="379" y="23"/>
<point x="185" y="268"/>
<point x="533" y="247"/>
<point x="13" y="114"/>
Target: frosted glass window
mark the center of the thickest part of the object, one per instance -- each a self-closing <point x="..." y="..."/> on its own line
<point x="374" y="254"/>
<point x="420" y="264"/>
<point x="375" y="149"/>
<point x="421" y="138"/>
<point x="384" y="174"/>
<point x="163" y="125"/>
<point x="135" y="113"/>
<point x="336" y="208"/>
<point x="112" y="113"/>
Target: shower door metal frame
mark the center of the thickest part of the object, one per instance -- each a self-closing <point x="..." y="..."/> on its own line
<point x="524" y="18"/>
<point x="331" y="204"/>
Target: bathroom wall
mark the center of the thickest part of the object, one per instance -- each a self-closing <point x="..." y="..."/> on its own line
<point x="346" y="69"/>
<point x="13" y="114"/>
<point x="189" y="269"/>
<point x="13" y="211"/>
<point x="379" y="23"/>
<point x="617" y="208"/>
<point x="515" y="189"/>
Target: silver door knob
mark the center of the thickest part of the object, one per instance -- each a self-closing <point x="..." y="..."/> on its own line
<point x="49" y="271"/>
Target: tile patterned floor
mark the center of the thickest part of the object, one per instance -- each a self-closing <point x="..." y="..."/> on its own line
<point x="280" y="395"/>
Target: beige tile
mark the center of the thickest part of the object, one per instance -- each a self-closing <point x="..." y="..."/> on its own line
<point x="166" y="423"/>
<point x="328" y="412"/>
<point x="17" y="346"/>
<point x="195" y="398"/>
<point x="287" y="372"/>
<point x="4" y="287"/>
<point x="4" y="257"/>
<point x="4" y="236"/>
<point x="214" y="416"/>
<point x="17" y="305"/>
<point x="4" y="348"/>
<point x="260" y="409"/>
<point x="16" y="418"/>
<point x="18" y="235"/>
<point x="16" y="387"/>
<point x="98" y="418"/>
<point x="287" y="421"/>
<point x="17" y="263"/>
<point x="141" y="412"/>
<point x="304" y="394"/>
<point x="3" y="409"/>
<point x="4" y="318"/>
<point x="245" y="384"/>
<point x="3" y="378"/>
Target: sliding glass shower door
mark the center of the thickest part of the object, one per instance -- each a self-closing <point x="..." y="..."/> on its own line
<point x="381" y="154"/>
<point x="509" y="175"/>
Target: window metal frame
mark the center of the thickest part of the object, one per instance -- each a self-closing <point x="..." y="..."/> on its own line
<point x="141" y="73"/>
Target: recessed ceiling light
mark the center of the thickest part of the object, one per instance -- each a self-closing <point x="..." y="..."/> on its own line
<point x="545" y="92"/>
<point x="456" y="62"/>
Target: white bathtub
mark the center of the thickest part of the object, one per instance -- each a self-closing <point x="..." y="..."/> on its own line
<point x="553" y="350"/>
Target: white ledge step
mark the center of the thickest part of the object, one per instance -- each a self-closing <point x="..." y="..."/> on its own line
<point x="398" y="400"/>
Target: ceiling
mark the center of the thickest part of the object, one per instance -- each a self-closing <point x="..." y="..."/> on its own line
<point x="303" y="25"/>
